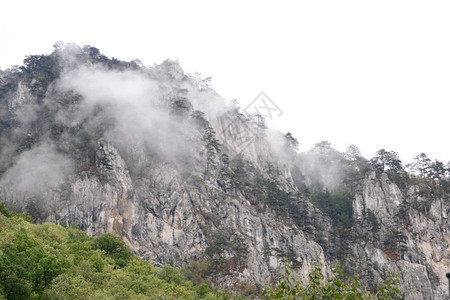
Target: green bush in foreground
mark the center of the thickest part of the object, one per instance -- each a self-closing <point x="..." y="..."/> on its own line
<point x="288" y="288"/>
<point x="49" y="261"/>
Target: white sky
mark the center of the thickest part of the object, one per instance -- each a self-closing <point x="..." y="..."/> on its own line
<point x="372" y="73"/>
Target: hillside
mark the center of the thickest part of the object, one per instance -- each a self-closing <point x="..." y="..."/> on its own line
<point x="156" y="157"/>
<point x="49" y="261"/>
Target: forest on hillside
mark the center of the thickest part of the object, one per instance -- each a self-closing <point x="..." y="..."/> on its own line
<point x="56" y="135"/>
<point x="49" y="261"/>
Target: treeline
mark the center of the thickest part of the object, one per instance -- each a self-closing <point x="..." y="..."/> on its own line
<point x="330" y="178"/>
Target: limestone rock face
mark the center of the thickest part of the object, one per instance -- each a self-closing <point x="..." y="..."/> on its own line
<point x="379" y="196"/>
<point x="171" y="215"/>
<point x="180" y="176"/>
<point x="408" y="240"/>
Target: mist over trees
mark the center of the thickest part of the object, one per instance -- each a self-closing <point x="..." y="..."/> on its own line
<point x="59" y="111"/>
<point x="331" y="178"/>
<point x="75" y="121"/>
<point x="45" y="110"/>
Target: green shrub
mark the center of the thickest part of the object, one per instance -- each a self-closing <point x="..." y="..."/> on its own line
<point x="4" y="211"/>
<point x="115" y="247"/>
<point x="288" y="287"/>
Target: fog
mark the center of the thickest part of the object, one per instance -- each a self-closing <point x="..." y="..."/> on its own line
<point x="37" y="171"/>
<point x="140" y="110"/>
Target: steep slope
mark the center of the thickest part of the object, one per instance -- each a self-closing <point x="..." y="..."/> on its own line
<point x="158" y="158"/>
<point x="395" y="235"/>
<point x="48" y="261"/>
<point x="123" y="150"/>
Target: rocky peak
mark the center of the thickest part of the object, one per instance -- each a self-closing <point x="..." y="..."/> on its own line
<point x="159" y="159"/>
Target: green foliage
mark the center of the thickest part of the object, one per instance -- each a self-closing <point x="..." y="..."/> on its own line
<point x="420" y="165"/>
<point x="197" y="272"/>
<point x="114" y="247"/>
<point x="40" y="71"/>
<point x="171" y="274"/>
<point x="390" y="289"/>
<point x="97" y="262"/>
<point x="292" y="258"/>
<point x="212" y="144"/>
<point x="240" y="172"/>
<point x="203" y="290"/>
<point x="25" y="266"/>
<point x="337" y="205"/>
<point x="221" y="245"/>
<point x="2" y="294"/>
<point x="269" y="192"/>
<point x="34" y="209"/>
<point x="432" y="178"/>
<point x="317" y="288"/>
<point x="394" y="244"/>
<point x="93" y="55"/>
<point x="291" y="142"/>
<point x="373" y="221"/>
<point x="386" y="160"/>
<point x="4" y="211"/>
<point x="389" y="162"/>
<point x="49" y="261"/>
<point x="10" y="213"/>
<point x="69" y="287"/>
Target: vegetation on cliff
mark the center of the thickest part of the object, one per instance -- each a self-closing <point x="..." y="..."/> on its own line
<point x="54" y="128"/>
<point x="50" y="261"/>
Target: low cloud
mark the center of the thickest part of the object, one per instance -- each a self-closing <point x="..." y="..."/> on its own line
<point x="37" y="171"/>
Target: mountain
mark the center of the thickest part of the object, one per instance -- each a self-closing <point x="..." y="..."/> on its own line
<point x="156" y="157"/>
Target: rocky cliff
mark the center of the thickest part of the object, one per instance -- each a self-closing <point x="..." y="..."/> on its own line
<point x="158" y="158"/>
<point x="396" y="234"/>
